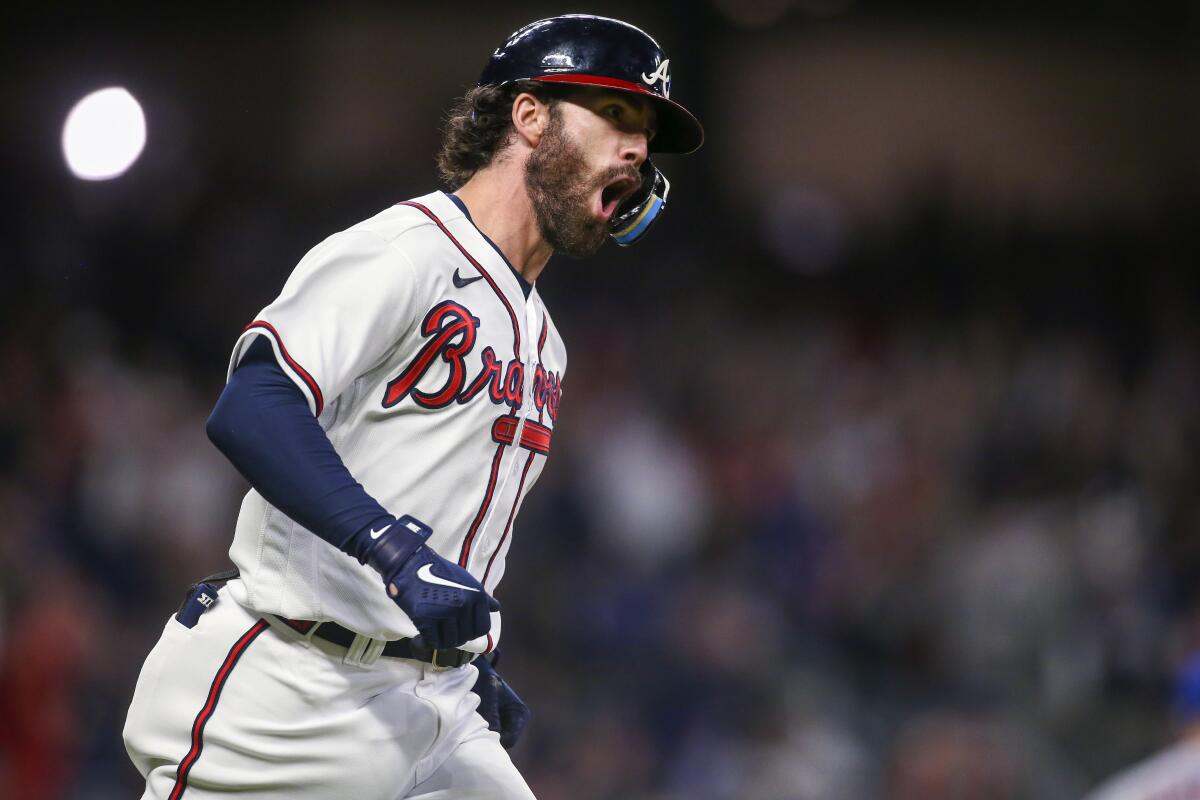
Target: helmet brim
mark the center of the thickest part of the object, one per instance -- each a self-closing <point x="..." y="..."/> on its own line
<point x="678" y="129"/>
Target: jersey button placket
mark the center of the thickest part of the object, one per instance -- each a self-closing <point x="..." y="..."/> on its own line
<point x="529" y="343"/>
<point x="521" y="414"/>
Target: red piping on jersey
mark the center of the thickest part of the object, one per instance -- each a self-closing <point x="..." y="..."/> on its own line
<point x="295" y="365"/>
<point x="531" y="435"/>
<point x="541" y="344"/>
<point x="511" y="514"/>
<point x="210" y="705"/>
<point x="487" y="276"/>
<point x="465" y="553"/>
<point x="534" y="436"/>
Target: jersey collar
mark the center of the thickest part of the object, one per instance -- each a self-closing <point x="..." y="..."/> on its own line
<point x="526" y="286"/>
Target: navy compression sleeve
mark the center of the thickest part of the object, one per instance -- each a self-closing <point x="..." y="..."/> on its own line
<point x="263" y="425"/>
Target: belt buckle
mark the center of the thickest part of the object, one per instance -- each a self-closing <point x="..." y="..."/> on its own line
<point x="451" y="658"/>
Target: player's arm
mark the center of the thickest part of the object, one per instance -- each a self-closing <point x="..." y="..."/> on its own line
<point x="264" y="426"/>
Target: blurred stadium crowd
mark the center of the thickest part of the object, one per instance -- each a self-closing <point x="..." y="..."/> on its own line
<point x="793" y="543"/>
<point x="835" y="510"/>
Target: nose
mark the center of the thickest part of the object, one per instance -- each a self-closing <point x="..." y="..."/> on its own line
<point x="635" y="148"/>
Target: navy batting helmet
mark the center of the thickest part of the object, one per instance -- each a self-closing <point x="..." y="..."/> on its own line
<point x="586" y="50"/>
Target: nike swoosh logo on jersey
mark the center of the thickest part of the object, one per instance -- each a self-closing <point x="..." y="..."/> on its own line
<point x="425" y="573"/>
<point x="375" y="534"/>
<point x="460" y="281"/>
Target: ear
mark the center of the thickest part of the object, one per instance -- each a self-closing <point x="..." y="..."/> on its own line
<point x="530" y="118"/>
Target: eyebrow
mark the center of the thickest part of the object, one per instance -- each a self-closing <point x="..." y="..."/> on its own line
<point x="641" y="104"/>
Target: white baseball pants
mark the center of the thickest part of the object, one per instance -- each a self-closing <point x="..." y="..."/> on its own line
<point x="242" y="705"/>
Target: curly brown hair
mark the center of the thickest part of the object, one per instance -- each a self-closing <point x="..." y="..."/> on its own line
<point x="479" y="125"/>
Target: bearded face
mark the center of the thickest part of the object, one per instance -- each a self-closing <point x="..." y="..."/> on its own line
<point x="562" y="189"/>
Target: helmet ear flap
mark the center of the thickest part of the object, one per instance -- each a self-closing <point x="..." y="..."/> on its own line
<point x="638" y="213"/>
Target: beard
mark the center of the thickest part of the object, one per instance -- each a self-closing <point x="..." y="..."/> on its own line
<point x="561" y="189"/>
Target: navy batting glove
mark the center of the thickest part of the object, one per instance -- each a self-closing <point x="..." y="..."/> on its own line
<point x="445" y="602"/>
<point x="504" y="710"/>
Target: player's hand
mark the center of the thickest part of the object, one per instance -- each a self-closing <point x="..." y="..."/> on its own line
<point x="504" y="710"/>
<point x="445" y="602"/>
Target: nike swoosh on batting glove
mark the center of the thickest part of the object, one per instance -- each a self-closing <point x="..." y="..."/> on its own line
<point x="446" y="603"/>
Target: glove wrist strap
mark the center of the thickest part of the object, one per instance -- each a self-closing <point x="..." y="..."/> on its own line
<point x="389" y="542"/>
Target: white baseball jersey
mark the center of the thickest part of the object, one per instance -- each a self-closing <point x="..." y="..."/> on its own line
<point x="438" y="382"/>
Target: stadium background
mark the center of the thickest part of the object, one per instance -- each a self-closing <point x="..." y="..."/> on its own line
<point x="877" y="472"/>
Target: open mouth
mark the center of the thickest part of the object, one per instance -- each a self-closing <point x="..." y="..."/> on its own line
<point x="614" y="194"/>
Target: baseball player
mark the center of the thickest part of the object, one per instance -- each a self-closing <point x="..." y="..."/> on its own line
<point x="391" y="408"/>
<point x="1174" y="772"/>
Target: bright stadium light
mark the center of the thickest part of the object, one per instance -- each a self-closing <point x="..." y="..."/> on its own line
<point x="104" y="134"/>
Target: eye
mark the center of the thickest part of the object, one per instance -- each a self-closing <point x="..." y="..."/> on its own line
<point x="614" y="112"/>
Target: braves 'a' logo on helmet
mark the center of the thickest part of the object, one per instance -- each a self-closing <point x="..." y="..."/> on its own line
<point x="661" y="74"/>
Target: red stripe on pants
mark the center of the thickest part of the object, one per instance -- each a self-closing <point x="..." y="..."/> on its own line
<point x="210" y="705"/>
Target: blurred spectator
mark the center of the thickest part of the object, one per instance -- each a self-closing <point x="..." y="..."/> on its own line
<point x="952" y="757"/>
<point x="47" y="656"/>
